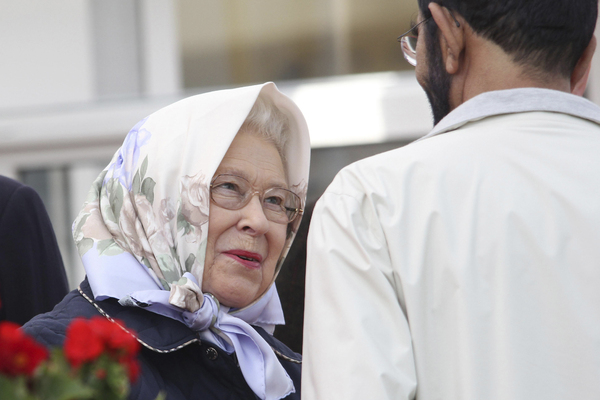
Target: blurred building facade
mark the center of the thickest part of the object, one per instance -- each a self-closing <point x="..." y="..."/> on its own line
<point x="76" y="75"/>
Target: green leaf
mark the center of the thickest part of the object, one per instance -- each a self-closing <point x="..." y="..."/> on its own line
<point x="81" y="222"/>
<point x="115" y="384"/>
<point x="168" y="267"/>
<point x="102" y="175"/>
<point x="175" y="257"/>
<point x="108" y="247"/>
<point x="144" y="168"/>
<point x="94" y="192"/>
<point x="135" y="187"/>
<point x="164" y="284"/>
<point x="55" y="382"/>
<point x="116" y="198"/>
<point x="189" y="262"/>
<point x="183" y="224"/>
<point x="146" y="263"/>
<point x="148" y="189"/>
<point x="84" y="245"/>
<point x="174" y="253"/>
<point x="13" y="388"/>
<point x="107" y="212"/>
<point x="180" y="222"/>
<point x="182" y="281"/>
<point x="65" y="388"/>
<point x="113" y="250"/>
<point x="103" y="244"/>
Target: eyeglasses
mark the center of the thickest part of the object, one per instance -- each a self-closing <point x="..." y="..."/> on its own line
<point x="409" y="43"/>
<point x="233" y="192"/>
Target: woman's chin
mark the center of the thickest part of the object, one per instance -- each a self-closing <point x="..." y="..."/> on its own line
<point x="234" y="301"/>
<point x="235" y="296"/>
<point x="231" y="282"/>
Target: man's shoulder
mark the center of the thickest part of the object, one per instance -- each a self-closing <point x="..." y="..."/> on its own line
<point x="419" y="162"/>
<point x="394" y="162"/>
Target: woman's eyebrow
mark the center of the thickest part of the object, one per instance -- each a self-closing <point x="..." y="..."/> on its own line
<point x="239" y="172"/>
<point x="231" y="171"/>
<point x="278" y="184"/>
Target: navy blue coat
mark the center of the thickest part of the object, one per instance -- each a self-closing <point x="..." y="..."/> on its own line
<point x="32" y="275"/>
<point x="173" y="359"/>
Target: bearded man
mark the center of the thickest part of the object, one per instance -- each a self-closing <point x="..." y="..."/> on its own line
<point x="466" y="265"/>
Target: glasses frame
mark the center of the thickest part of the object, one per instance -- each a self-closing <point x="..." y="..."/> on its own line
<point x="409" y="51"/>
<point x="261" y="195"/>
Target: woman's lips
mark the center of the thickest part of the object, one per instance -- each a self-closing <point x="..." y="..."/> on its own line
<point x="246" y="258"/>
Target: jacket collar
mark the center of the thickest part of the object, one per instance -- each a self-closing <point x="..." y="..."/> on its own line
<point x="162" y="334"/>
<point x="154" y="331"/>
<point x="516" y="101"/>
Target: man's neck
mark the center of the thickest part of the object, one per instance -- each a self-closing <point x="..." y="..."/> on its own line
<point x="488" y="68"/>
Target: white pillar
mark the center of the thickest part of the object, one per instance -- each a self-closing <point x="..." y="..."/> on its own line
<point x="161" y="60"/>
<point x="340" y="17"/>
<point x="115" y="33"/>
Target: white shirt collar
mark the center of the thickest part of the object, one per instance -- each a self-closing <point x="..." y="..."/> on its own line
<point x="512" y="101"/>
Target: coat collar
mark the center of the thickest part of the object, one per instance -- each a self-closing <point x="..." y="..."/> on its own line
<point x="519" y="100"/>
<point x="158" y="333"/>
<point x="162" y="334"/>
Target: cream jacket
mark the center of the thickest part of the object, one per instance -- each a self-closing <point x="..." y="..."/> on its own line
<point x="465" y="265"/>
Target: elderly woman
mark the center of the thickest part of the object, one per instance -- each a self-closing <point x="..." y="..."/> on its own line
<point x="182" y="236"/>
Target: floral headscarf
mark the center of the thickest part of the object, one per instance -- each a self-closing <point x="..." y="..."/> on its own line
<point x="142" y="232"/>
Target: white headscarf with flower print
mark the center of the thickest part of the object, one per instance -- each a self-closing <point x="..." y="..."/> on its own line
<point x="142" y="232"/>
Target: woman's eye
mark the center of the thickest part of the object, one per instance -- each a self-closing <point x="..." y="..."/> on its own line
<point x="229" y="186"/>
<point x="274" y="200"/>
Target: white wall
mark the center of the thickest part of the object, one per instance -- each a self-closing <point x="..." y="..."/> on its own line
<point x="75" y="76"/>
<point x="45" y="53"/>
<point x="64" y="52"/>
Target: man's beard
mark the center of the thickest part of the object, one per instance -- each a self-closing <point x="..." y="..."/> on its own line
<point x="437" y="82"/>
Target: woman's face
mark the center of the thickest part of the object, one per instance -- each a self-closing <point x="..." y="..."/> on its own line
<point x="233" y="280"/>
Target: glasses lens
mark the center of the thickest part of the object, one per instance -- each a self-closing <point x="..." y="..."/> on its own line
<point x="409" y="49"/>
<point x="233" y="192"/>
<point x="229" y="191"/>
<point x="280" y="205"/>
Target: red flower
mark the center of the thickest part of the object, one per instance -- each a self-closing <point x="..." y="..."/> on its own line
<point x="19" y="353"/>
<point x="118" y="342"/>
<point x="82" y="344"/>
<point x="88" y="339"/>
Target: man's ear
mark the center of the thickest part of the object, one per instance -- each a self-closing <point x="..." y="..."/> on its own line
<point x="452" y="35"/>
<point x="581" y="72"/>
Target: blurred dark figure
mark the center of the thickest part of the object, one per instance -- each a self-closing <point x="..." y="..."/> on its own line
<point x="32" y="274"/>
<point x="290" y="286"/>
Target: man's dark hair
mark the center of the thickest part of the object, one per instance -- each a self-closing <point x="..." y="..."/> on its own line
<point x="547" y="35"/>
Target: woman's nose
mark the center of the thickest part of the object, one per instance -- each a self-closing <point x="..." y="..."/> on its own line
<point x="253" y="219"/>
